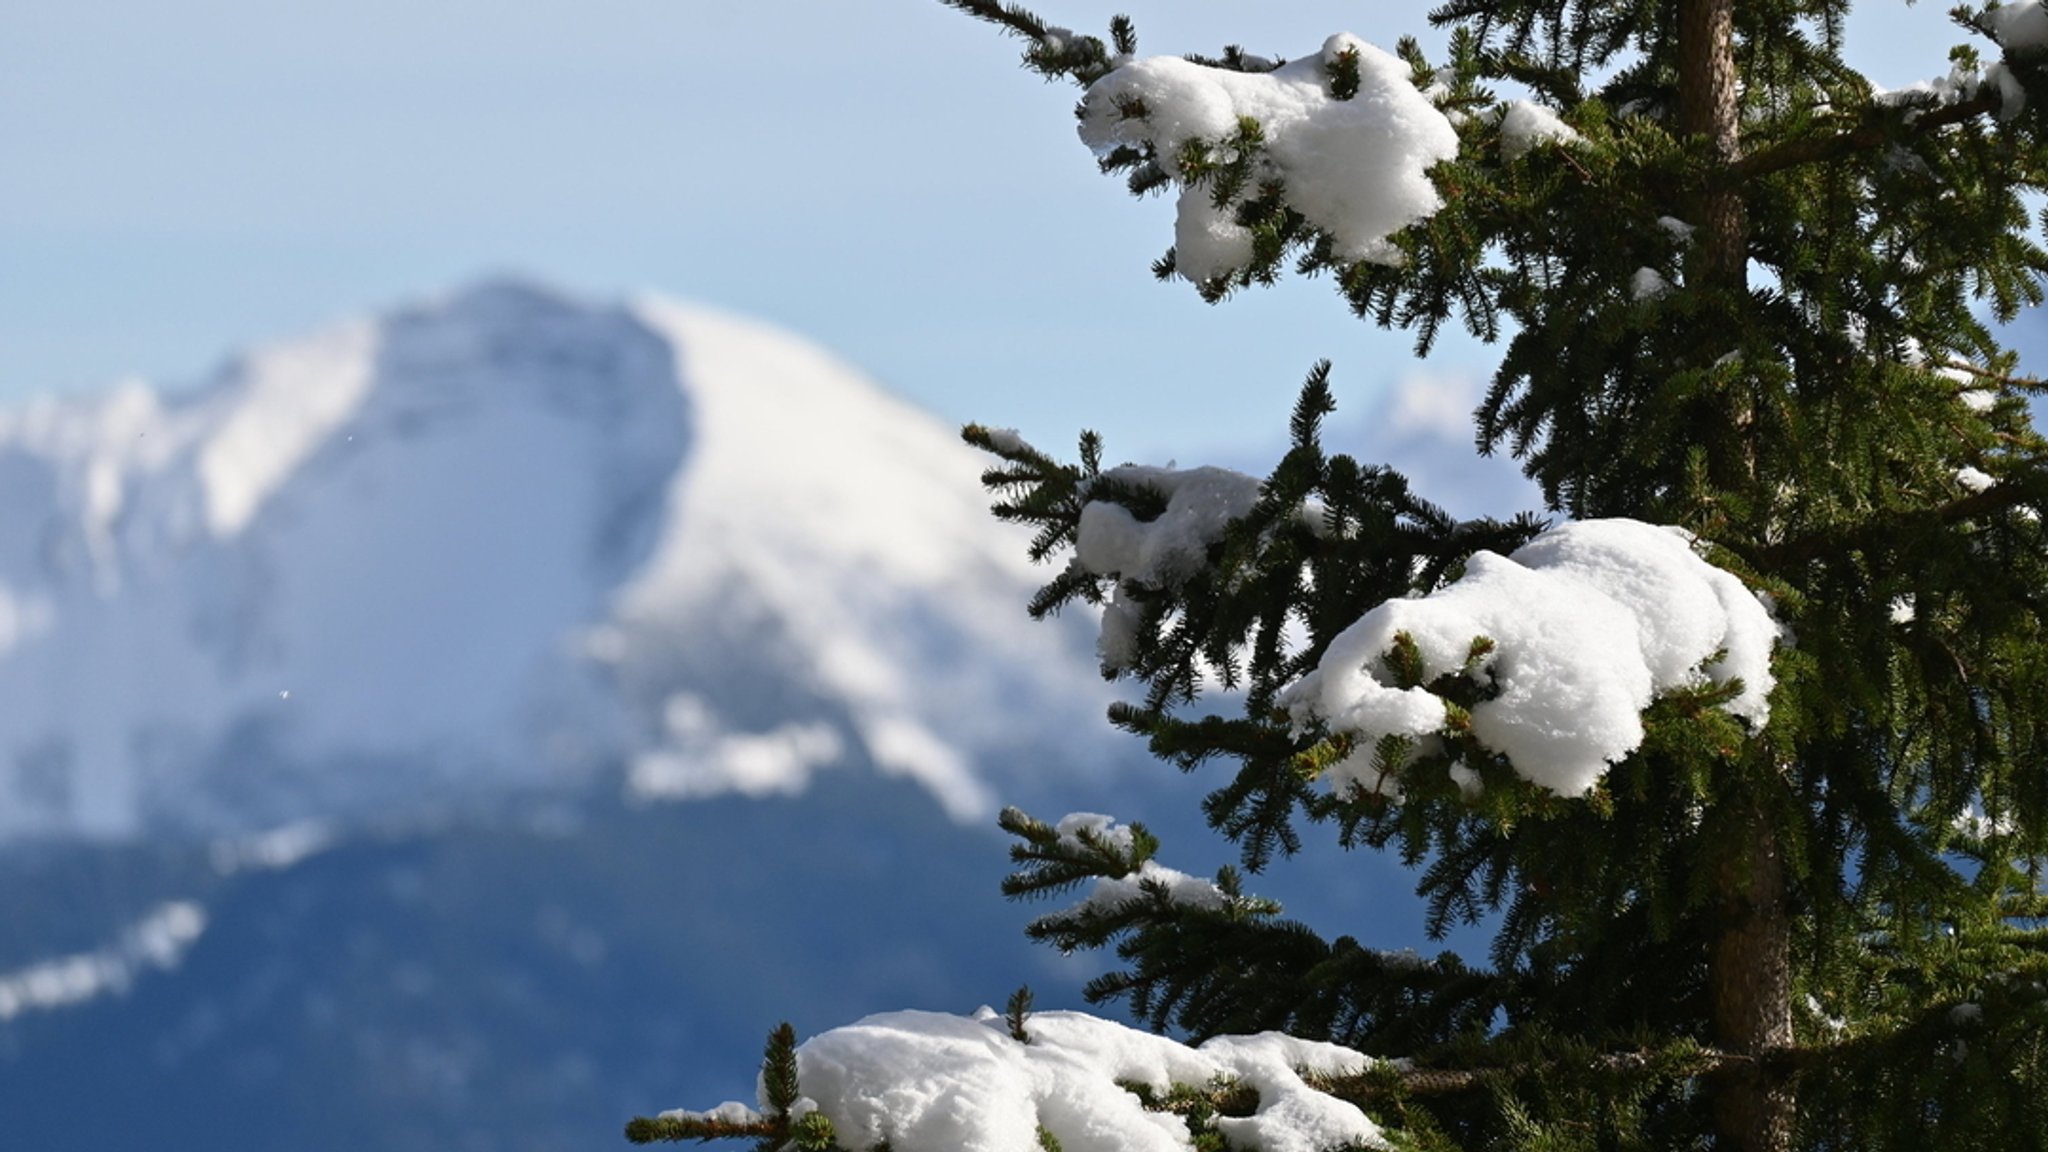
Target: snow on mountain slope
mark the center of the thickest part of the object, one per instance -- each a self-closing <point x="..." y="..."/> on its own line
<point x="501" y="541"/>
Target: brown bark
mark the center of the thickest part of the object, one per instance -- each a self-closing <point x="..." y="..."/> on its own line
<point x="1750" y="965"/>
<point x="1707" y="108"/>
<point x="1717" y="267"/>
<point x="1751" y="985"/>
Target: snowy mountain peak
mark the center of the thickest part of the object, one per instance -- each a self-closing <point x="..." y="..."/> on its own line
<point x="498" y="541"/>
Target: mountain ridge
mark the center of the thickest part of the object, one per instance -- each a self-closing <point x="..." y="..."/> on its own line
<point x="506" y="539"/>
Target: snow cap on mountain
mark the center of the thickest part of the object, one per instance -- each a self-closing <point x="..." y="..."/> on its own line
<point x="501" y="540"/>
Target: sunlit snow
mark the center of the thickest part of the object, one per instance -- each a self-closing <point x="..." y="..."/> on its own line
<point x="293" y="398"/>
<point x="2019" y="24"/>
<point x="157" y="942"/>
<point x="932" y="1082"/>
<point x="480" y="544"/>
<point x="272" y="850"/>
<point x="1589" y="622"/>
<point x="1110" y="893"/>
<point x="1524" y="125"/>
<point x="1353" y="168"/>
<point x="1166" y="550"/>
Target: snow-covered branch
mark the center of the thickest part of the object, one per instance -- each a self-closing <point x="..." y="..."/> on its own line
<point x="934" y="1082"/>
<point x="1342" y="137"/>
<point x="1567" y="641"/>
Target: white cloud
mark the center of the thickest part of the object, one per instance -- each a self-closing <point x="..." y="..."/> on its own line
<point x="1424" y="428"/>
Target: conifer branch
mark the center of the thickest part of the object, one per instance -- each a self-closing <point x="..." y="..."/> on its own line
<point x="1019" y="20"/>
<point x="1384" y="1082"/>
<point x="1889" y="530"/>
<point x="1017" y="1013"/>
<point x="1880" y="126"/>
<point x="2031" y="385"/>
<point x="1053" y="52"/>
<point x="675" y="1129"/>
<point x="774" y="1129"/>
<point x="778" y="1070"/>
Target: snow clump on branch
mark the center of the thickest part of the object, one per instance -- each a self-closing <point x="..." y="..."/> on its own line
<point x="1166" y="551"/>
<point x="1962" y="82"/>
<point x="1524" y="125"/>
<point x="2019" y="24"/>
<point x="1589" y="622"/>
<point x="935" y="1082"/>
<point x="1112" y="893"/>
<point x="1163" y="552"/>
<point x="1354" y="168"/>
<point x="1974" y="479"/>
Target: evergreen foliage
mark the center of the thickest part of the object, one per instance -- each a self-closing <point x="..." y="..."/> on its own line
<point x="1830" y="933"/>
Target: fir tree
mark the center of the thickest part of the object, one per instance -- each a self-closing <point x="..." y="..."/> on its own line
<point x="1743" y="293"/>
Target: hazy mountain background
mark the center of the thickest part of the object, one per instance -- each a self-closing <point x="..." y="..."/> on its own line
<point x="475" y="724"/>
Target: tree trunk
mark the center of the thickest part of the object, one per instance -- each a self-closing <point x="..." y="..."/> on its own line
<point x="1750" y="972"/>
<point x="1707" y="107"/>
<point x="1751" y="975"/>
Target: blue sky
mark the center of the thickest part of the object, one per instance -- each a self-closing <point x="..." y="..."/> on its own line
<point x="178" y="180"/>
